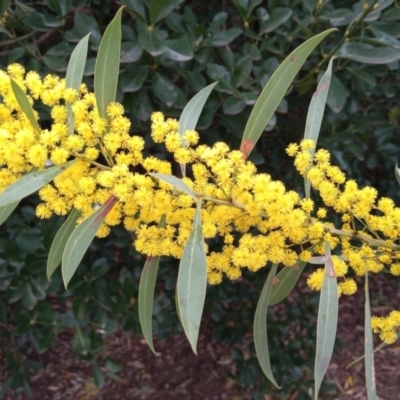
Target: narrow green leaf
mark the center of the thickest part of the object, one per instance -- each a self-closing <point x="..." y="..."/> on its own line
<point x="368" y="54"/>
<point x="23" y="102"/>
<point x="397" y="173"/>
<point x="284" y="282"/>
<point x="76" y="66"/>
<point x="146" y="296"/>
<point x="60" y="241"/>
<point x="7" y="210"/>
<point x="316" y="113"/>
<point x="275" y="90"/>
<point x="192" y="281"/>
<point x="80" y="240"/>
<point x="260" y="327"/>
<point x="175" y="182"/>
<point x="369" y="347"/>
<point x="107" y="65"/>
<point x="327" y="320"/>
<point x="159" y="9"/>
<point x="28" y="184"/>
<point x="98" y="376"/>
<point x="191" y="113"/>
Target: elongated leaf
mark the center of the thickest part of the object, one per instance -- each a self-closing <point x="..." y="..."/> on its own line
<point x="146" y="294"/>
<point x="7" y="210"/>
<point x="260" y="327"/>
<point x="369" y="347"/>
<point x="30" y="183"/>
<point x="327" y="321"/>
<point x="107" y="65"/>
<point x="275" y="90"/>
<point x="159" y="9"/>
<point x="80" y="240"/>
<point x="175" y="182"/>
<point x="60" y="241"/>
<point x="316" y="113"/>
<point x="284" y="282"/>
<point x="75" y="69"/>
<point x="368" y="54"/>
<point x="191" y="113"/>
<point x="397" y="173"/>
<point x="192" y="281"/>
<point x="23" y="102"/>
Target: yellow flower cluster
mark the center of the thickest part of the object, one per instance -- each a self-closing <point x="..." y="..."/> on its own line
<point x="388" y="327"/>
<point x="369" y="226"/>
<point x="257" y="219"/>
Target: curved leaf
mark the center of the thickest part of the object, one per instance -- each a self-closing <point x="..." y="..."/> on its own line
<point x="23" y="102"/>
<point x="28" y="184"/>
<point x="327" y="320"/>
<point x="275" y="90"/>
<point x="80" y="240"/>
<point x="7" y="210"/>
<point x="60" y="241"/>
<point x="146" y="294"/>
<point x="369" y="346"/>
<point x="192" y="281"/>
<point x="191" y="113"/>
<point x="260" y="327"/>
<point x="107" y="65"/>
<point x="284" y="282"/>
<point x="76" y="66"/>
<point x="397" y="173"/>
<point x="368" y="54"/>
<point x="316" y="113"/>
<point x="175" y="182"/>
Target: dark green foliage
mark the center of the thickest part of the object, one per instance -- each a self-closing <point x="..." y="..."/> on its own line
<point x="170" y="50"/>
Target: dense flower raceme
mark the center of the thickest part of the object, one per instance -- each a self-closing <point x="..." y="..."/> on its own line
<point x="258" y="220"/>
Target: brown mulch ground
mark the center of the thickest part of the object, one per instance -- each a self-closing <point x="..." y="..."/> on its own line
<point x="176" y="373"/>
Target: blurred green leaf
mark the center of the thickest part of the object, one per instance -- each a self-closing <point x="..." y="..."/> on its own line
<point x="130" y="52"/>
<point x="15" y="54"/>
<point x="397" y="174"/>
<point x="81" y="343"/>
<point x="84" y="24"/>
<point x="233" y="106"/>
<point x="242" y="71"/>
<point x="107" y="65"/>
<point x="260" y="327"/>
<point x="152" y="42"/>
<point x="178" y="50"/>
<point x="54" y="63"/>
<point x="28" y="299"/>
<point x="327" y="321"/>
<point x="61" y="7"/>
<point x="60" y="241"/>
<point x="98" y="376"/>
<point x="25" y="105"/>
<point x="80" y="240"/>
<point x="159" y="9"/>
<point x="164" y="89"/>
<point x="274" y="92"/>
<point x="195" y="80"/>
<point x="278" y="17"/>
<point x="133" y="79"/>
<point x="337" y="95"/>
<point x="223" y="38"/>
<point x="316" y="113"/>
<point x="192" y="281"/>
<point x="29" y="183"/>
<point x="367" y="54"/>
<point x="41" y="22"/>
<point x="137" y="6"/>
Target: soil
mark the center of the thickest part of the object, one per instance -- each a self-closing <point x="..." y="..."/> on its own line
<point x="176" y="373"/>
